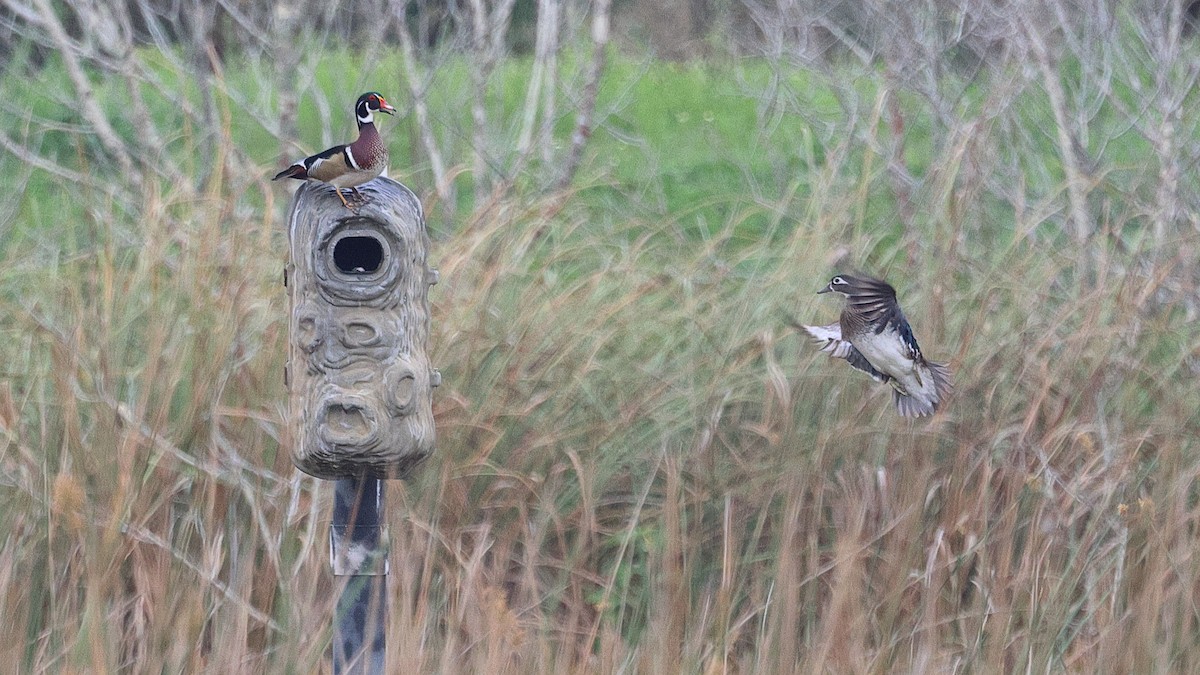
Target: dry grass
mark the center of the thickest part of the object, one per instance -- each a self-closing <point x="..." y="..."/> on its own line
<point x="641" y="467"/>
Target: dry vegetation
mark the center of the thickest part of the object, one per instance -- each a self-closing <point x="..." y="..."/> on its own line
<point x="641" y="468"/>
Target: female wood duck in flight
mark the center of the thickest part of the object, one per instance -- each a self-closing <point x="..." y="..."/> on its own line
<point x="874" y="337"/>
<point x="348" y="166"/>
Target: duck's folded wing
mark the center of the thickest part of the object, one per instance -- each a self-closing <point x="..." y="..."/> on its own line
<point x="830" y="339"/>
<point x="329" y="164"/>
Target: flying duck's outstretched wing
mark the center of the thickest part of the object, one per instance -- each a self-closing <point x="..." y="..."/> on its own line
<point x="830" y="339"/>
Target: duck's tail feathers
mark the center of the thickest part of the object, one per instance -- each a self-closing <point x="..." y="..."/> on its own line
<point x="294" y="171"/>
<point x="913" y="406"/>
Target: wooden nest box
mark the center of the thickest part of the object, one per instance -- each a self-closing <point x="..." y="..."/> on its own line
<point x="358" y="371"/>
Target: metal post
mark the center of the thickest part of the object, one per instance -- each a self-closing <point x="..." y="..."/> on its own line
<point x="358" y="551"/>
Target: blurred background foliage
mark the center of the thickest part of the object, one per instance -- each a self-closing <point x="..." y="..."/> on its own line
<point x="641" y="466"/>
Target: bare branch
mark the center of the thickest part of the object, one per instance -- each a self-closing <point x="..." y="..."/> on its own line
<point x="84" y="93"/>
<point x="480" y="65"/>
<point x="587" y="106"/>
<point x="416" y="88"/>
<point x="1068" y="143"/>
<point x="545" y="47"/>
<point x="489" y="29"/>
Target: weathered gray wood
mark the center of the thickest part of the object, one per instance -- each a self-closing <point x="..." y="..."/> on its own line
<point x="358" y="368"/>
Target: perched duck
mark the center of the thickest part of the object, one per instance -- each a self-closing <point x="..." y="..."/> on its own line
<point x="874" y="337"/>
<point x="348" y="166"/>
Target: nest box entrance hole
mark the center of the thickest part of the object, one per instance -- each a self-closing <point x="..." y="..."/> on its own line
<point x="358" y="254"/>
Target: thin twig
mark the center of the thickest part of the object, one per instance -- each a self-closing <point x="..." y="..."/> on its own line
<point x="587" y="106"/>
<point x="85" y="96"/>
<point x="442" y="185"/>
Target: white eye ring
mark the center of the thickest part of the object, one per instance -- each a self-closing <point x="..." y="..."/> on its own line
<point x="838" y="281"/>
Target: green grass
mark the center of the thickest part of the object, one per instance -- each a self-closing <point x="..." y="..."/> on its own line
<point x="640" y="464"/>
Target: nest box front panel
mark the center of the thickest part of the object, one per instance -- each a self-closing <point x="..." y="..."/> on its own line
<point x="359" y="373"/>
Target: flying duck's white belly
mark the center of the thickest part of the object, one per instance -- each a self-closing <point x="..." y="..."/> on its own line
<point x="888" y="353"/>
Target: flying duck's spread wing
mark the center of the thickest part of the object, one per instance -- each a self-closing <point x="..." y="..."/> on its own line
<point x="830" y="339"/>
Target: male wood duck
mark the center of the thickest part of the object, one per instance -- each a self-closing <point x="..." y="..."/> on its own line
<point x="874" y="337"/>
<point x="348" y="166"/>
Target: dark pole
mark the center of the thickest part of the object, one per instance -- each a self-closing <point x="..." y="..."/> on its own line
<point x="358" y="552"/>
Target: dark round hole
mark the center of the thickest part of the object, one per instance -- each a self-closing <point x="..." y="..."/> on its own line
<point x="358" y="255"/>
